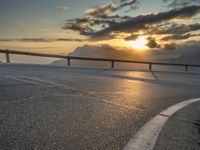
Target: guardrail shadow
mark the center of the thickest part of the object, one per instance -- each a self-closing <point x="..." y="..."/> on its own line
<point x="154" y="80"/>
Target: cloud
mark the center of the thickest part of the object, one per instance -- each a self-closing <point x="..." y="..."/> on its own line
<point x="170" y="46"/>
<point x="176" y="28"/>
<point x="42" y="40"/>
<point x="177" y="37"/>
<point x="152" y="43"/>
<point x="101" y="11"/>
<point x="113" y="25"/>
<point x="180" y="3"/>
<point x="62" y="8"/>
<point x="104" y="10"/>
<point x="132" y="37"/>
<point x="99" y="17"/>
<point x="132" y="3"/>
<point x="139" y="22"/>
<point x="69" y="40"/>
<point x="78" y="24"/>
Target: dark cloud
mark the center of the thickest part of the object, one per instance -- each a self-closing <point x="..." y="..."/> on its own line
<point x="139" y="22"/>
<point x="98" y="18"/>
<point x="170" y="46"/>
<point x="102" y="38"/>
<point x="77" y="24"/>
<point x="176" y="28"/>
<point x="26" y="40"/>
<point x="111" y="25"/>
<point x="180" y="3"/>
<point x="176" y="37"/>
<point x="152" y="43"/>
<point x="101" y="11"/>
<point x="132" y="3"/>
<point x="104" y="10"/>
<point x="42" y="40"/>
<point x="179" y="37"/>
<point x="132" y="37"/>
<point x="34" y="40"/>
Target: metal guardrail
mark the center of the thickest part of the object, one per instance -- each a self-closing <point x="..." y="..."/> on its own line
<point x="150" y="64"/>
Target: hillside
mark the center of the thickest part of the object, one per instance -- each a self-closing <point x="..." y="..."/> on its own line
<point x="98" y="52"/>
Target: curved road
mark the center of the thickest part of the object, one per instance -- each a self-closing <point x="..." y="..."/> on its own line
<point x="44" y="107"/>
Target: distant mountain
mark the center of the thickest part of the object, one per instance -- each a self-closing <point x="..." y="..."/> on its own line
<point x="187" y="55"/>
<point x="98" y="52"/>
<point x="104" y="52"/>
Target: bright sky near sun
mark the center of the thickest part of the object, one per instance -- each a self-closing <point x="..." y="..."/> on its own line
<point x="139" y="43"/>
<point x="62" y="25"/>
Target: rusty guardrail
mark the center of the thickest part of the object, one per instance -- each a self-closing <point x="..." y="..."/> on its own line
<point x="150" y="64"/>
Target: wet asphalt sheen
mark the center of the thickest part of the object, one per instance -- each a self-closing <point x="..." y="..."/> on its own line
<point x="61" y="108"/>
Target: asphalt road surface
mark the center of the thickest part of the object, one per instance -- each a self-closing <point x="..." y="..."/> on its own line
<point x="83" y="109"/>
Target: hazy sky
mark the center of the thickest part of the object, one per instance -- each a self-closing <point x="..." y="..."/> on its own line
<point x="58" y="26"/>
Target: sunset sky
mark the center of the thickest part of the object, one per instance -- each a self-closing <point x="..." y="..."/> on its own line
<point x="60" y="26"/>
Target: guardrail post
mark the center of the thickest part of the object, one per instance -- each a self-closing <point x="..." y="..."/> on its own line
<point x="7" y="56"/>
<point x="186" y="68"/>
<point x="68" y="61"/>
<point x="150" y="67"/>
<point x="112" y="63"/>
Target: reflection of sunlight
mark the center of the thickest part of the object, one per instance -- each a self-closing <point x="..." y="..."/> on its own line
<point x="135" y="87"/>
<point x="142" y="75"/>
<point x="132" y="94"/>
<point x="140" y="43"/>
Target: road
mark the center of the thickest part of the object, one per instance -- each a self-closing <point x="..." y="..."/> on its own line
<point x="44" y="107"/>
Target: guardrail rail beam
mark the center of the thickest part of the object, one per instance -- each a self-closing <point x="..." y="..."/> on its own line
<point x="69" y="58"/>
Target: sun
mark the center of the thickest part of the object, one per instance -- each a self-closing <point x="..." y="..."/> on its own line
<point x="140" y="43"/>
